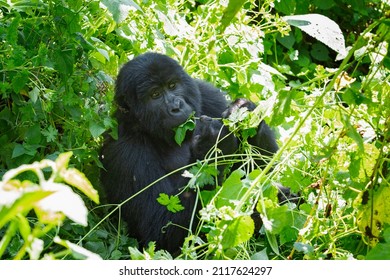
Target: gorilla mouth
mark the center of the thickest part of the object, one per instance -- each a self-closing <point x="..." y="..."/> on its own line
<point x="187" y="122"/>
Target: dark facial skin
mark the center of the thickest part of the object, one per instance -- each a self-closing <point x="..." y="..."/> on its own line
<point x="158" y="96"/>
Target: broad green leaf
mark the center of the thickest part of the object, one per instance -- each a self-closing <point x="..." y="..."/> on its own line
<point x="33" y="134"/>
<point x="232" y="189"/>
<point x="20" y="80"/>
<point x="18" y="150"/>
<point x="302" y="247"/>
<point x="96" y="129"/>
<point x="380" y="252"/>
<point x="238" y="230"/>
<point x="260" y="256"/>
<point x="230" y="12"/>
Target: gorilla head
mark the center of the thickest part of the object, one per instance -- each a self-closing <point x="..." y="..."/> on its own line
<point x="155" y="95"/>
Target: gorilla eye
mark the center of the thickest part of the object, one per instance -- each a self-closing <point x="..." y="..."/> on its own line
<point x="156" y="94"/>
<point x="172" y="85"/>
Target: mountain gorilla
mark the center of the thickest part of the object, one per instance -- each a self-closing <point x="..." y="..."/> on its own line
<point x="154" y="95"/>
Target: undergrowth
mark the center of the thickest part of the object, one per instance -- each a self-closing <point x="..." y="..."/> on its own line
<point x="331" y="117"/>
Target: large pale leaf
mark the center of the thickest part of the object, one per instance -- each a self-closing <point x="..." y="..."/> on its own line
<point x="120" y="8"/>
<point x="322" y="28"/>
<point x="78" y="180"/>
<point x="64" y="200"/>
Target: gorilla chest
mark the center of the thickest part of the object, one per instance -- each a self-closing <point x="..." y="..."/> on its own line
<point x="175" y="158"/>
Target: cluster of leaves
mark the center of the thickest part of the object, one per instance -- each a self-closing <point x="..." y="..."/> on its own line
<point x="58" y="62"/>
<point x="50" y="199"/>
<point x="54" y="83"/>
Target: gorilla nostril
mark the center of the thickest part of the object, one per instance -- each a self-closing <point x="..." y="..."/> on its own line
<point x="175" y="110"/>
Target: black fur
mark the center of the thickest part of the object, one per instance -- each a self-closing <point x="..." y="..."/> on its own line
<point x="154" y="94"/>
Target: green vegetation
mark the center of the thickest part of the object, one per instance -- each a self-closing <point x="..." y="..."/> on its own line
<point x="324" y="90"/>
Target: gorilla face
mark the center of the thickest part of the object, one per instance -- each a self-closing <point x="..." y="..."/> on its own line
<point x="156" y="94"/>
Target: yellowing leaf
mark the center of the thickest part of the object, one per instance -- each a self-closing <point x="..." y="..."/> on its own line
<point x="374" y="213"/>
<point x="78" y="180"/>
<point x="343" y="81"/>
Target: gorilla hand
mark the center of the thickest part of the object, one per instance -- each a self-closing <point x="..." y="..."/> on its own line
<point x="208" y="133"/>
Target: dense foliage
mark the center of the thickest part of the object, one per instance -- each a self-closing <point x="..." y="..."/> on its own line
<point x="58" y="62"/>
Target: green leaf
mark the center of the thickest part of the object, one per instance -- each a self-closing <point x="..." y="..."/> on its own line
<point x="302" y="247"/>
<point x="260" y="256"/>
<point x="232" y="189"/>
<point x="18" y="150"/>
<point x="204" y="173"/>
<point x="172" y="202"/>
<point x="96" y="129"/>
<point x="238" y="230"/>
<point x="320" y="52"/>
<point x="373" y="213"/>
<point x="181" y="130"/>
<point x="51" y="133"/>
<point x="20" y="80"/>
<point x="287" y="7"/>
<point x="379" y="252"/>
<point x="230" y="12"/>
<point x="120" y="8"/>
<point x="33" y="134"/>
<point x="22" y="205"/>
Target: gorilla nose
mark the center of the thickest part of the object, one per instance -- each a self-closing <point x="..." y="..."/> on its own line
<point x="175" y="107"/>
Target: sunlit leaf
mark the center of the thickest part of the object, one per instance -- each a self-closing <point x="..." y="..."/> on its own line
<point x="77" y="251"/>
<point x="78" y="180"/>
<point x="64" y="200"/>
<point x="238" y="230"/>
<point x="120" y="8"/>
<point x="22" y="205"/>
<point x="322" y="28"/>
